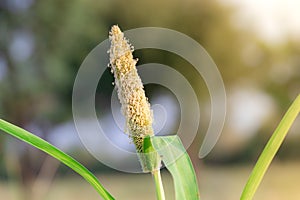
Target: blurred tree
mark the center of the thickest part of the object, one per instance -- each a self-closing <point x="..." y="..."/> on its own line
<point x="43" y="43"/>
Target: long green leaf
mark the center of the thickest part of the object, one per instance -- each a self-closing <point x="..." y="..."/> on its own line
<point x="179" y="165"/>
<point x="270" y="150"/>
<point x="56" y="153"/>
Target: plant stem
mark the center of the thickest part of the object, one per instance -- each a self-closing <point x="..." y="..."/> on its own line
<point x="270" y="150"/>
<point x="160" y="193"/>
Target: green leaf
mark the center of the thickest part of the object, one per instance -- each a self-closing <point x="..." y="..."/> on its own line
<point x="178" y="163"/>
<point x="270" y="150"/>
<point x="56" y="153"/>
<point x="151" y="159"/>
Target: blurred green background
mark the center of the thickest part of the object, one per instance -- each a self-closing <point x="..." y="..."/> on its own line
<point x="256" y="47"/>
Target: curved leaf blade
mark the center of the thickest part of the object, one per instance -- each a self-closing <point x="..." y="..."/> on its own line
<point x="270" y="150"/>
<point x="48" y="148"/>
<point x="178" y="163"/>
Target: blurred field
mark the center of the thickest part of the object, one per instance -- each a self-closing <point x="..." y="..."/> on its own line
<point x="226" y="183"/>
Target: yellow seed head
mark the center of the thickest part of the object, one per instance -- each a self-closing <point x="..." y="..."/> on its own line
<point x="135" y="106"/>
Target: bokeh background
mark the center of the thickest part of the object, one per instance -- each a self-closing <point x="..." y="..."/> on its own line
<point x="255" y="44"/>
